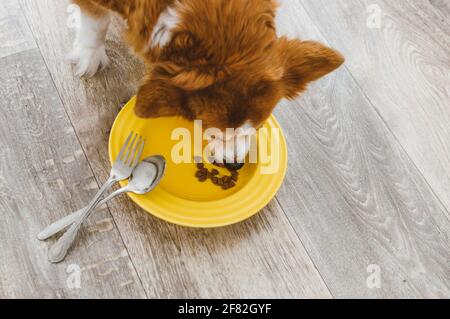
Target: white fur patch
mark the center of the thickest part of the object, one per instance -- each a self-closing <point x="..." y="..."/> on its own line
<point x="88" y="52"/>
<point x="234" y="147"/>
<point x="162" y="32"/>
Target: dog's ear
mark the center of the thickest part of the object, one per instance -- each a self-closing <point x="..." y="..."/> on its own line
<point x="305" y="62"/>
<point x="157" y="98"/>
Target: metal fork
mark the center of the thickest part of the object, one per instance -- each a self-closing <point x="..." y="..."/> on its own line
<point x="122" y="168"/>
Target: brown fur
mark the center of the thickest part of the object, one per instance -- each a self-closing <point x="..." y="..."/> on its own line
<point x="224" y="64"/>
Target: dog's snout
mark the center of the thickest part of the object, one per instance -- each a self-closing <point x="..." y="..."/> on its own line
<point x="231" y="151"/>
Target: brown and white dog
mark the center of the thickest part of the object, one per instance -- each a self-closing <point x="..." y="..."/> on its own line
<point x="219" y="61"/>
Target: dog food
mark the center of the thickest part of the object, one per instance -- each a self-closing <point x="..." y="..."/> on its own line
<point x="225" y="182"/>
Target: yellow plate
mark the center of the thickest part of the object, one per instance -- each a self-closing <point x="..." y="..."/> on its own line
<point x="180" y="198"/>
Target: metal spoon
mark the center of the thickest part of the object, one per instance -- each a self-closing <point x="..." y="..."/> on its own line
<point x="145" y="177"/>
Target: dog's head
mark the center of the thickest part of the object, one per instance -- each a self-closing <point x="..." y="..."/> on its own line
<point x="225" y="65"/>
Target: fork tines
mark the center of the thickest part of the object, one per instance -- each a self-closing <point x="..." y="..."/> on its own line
<point x="131" y="150"/>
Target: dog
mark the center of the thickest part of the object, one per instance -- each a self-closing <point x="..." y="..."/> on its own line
<point x="218" y="61"/>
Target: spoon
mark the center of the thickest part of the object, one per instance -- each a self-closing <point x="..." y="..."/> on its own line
<point x="145" y="177"/>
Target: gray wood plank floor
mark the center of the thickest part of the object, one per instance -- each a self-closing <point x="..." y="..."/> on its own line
<point x="14" y="33"/>
<point x="368" y="179"/>
<point x="43" y="175"/>
<point x="404" y="68"/>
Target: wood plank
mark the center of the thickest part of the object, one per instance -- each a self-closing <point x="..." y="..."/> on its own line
<point x="259" y="258"/>
<point x="15" y="36"/>
<point x="44" y="175"/>
<point x="404" y="69"/>
<point x="243" y="260"/>
<point x="352" y="193"/>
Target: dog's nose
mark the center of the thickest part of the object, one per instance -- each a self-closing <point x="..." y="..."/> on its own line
<point x="234" y="166"/>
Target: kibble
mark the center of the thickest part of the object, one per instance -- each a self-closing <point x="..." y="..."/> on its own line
<point x="225" y="182"/>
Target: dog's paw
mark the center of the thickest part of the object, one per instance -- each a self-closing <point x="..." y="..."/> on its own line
<point x="88" y="61"/>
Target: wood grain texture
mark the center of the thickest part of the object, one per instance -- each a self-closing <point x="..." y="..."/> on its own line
<point x="44" y="175"/>
<point x="353" y="195"/>
<point x="404" y="69"/>
<point x="15" y="35"/>
<point x="243" y="260"/>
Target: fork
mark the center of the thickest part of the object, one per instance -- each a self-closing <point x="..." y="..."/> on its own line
<point x="122" y="168"/>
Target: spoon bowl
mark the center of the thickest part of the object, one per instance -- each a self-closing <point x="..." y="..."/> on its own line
<point x="147" y="175"/>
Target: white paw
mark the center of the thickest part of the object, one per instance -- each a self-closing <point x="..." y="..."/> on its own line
<point x="88" y="60"/>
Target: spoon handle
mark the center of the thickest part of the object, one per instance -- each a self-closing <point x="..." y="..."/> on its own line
<point x="66" y="221"/>
<point x="59" y="250"/>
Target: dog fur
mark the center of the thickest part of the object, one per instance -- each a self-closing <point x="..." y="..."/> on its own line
<point x="219" y="61"/>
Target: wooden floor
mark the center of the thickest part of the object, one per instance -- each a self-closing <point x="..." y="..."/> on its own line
<point x="368" y="180"/>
